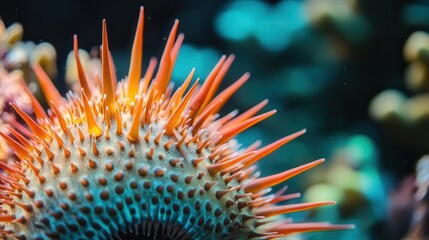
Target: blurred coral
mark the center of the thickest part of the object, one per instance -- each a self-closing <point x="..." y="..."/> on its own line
<point x="408" y="208"/>
<point x="416" y="52"/>
<point x="419" y="227"/>
<point x="405" y="116"/>
<point x="352" y="179"/>
<point x="341" y="21"/>
<point x="18" y="55"/>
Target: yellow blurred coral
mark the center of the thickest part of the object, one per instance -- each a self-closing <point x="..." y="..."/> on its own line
<point x="395" y="107"/>
<point x="19" y="55"/>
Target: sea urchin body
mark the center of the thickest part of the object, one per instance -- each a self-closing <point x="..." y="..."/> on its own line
<point x="136" y="157"/>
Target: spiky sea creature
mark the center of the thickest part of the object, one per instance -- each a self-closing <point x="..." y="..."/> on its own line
<point x="134" y="157"/>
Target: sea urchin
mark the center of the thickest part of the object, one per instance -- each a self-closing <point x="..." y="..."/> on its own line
<point x="136" y="157"/>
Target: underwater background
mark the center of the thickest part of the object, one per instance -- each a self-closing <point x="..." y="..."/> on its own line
<point x="354" y="73"/>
